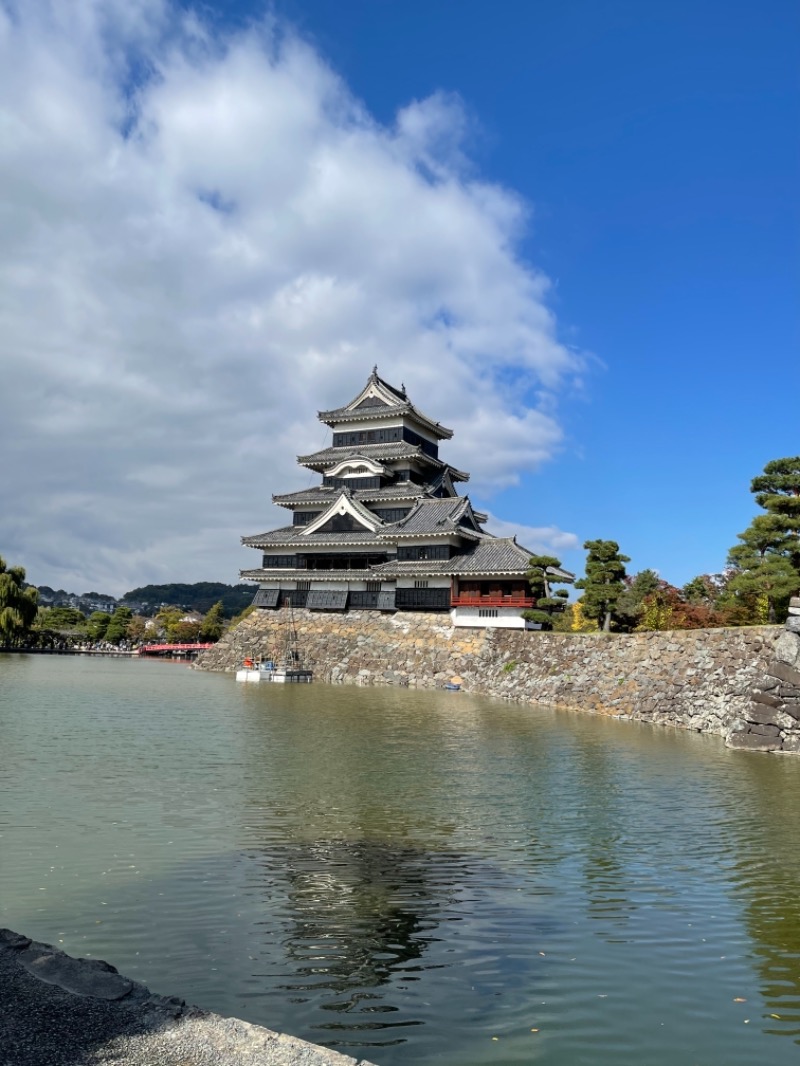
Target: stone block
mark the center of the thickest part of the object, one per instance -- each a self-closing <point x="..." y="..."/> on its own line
<point x="753" y="742"/>
<point x="765" y="698"/>
<point x="84" y="977"/>
<point x="768" y="684"/>
<point x="14" y="941"/>
<point x="758" y="714"/>
<point x="765" y="730"/>
<point x="787" y="648"/>
<point x="795" y="602"/>
<point x="793" y="624"/>
<point x="791" y="744"/>
<point x="784" y="672"/>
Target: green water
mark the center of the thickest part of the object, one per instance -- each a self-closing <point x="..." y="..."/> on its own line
<point x="406" y="876"/>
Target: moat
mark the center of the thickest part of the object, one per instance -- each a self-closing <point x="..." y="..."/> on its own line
<point x="408" y="876"/>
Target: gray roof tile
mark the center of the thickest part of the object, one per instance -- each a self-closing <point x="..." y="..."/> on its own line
<point x="395" y="450"/>
<point x="281" y="574"/>
<point x="491" y="555"/>
<point x="401" y="405"/>
<point x="433" y="516"/>
<point x="322" y="494"/>
<point x="293" y="537"/>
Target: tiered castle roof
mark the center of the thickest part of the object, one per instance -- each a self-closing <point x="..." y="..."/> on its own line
<point x="383" y="488"/>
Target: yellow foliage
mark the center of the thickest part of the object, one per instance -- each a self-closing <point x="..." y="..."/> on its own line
<point x="580" y="623"/>
<point x="657" y="614"/>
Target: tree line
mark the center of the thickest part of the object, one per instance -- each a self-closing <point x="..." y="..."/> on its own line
<point x="762" y="572"/>
<point x="199" y="596"/>
<point x="24" y="623"/>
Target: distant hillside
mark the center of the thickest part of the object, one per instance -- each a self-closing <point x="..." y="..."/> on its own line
<point x="200" y="596"/>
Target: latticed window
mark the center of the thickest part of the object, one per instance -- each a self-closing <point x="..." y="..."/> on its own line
<point x="373" y="586"/>
<point x="420" y="584"/>
<point x="487" y="612"/>
<point x="423" y="551"/>
<point x="392" y="514"/>
<point x="422" y="599"/>
<point x="303" y="518"/>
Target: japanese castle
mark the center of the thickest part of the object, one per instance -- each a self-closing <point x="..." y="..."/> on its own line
<point x="386" y="530"/>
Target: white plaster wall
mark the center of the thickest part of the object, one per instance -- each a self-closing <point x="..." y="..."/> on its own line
<point x="365" y="424"/>
<point x="507" y="618"/>
<point x="433" y="582"/>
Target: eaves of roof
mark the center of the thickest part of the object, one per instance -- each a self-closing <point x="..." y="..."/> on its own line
<point x="363" y="414"/>
<point x="294" y="537"/>
<point x="307" y="575"/>
<point x="404" y="490"/>
<point x="377" y="452"/>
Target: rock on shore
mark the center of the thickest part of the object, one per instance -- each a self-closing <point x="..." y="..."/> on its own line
<point x="62" y="1011"/>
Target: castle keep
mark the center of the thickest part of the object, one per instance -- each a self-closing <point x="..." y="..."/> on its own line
<point x="385" y="530"/>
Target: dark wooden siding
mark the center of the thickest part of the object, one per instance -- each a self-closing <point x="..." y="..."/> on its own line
<point x="422" y="599"/>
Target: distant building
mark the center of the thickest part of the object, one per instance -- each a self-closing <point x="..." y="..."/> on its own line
<point x="385" y="530"/>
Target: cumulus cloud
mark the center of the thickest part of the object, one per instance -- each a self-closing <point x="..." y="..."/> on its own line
<point x="204" y="238"/>
<point x="540" y="540"/>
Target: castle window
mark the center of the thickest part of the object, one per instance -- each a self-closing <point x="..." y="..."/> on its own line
<point x="420" y="584"/>
<point x="392" y="514"/>
<point x="302" y="518"/>
<point x="423" y="551"/>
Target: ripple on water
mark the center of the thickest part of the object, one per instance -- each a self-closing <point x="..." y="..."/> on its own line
<point x="415" y="877"/>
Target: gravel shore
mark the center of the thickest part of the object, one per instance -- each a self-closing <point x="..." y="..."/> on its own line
<point x="56" y="1010"/>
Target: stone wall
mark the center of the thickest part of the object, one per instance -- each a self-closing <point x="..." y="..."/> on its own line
<point x="771" y="720"/>
<point x="698" y="679"/>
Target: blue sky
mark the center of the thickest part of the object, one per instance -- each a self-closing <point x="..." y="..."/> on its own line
<point x="657" y="147"/>
<point x="578" y="246"/>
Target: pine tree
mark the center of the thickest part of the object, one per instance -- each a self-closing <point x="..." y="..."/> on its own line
<point x="766" y="563"/>
<point x="18" y="603"/>
<point x="604" y="582"/>
<point x="777" y="490"/>
<point x="541" y="580"/>
<point x="771" y="578"/>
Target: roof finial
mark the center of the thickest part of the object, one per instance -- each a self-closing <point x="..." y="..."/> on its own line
<point x="403" y="387"/>
<point x="375" y="372"/>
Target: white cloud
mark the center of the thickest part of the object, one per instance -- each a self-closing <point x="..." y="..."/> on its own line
<point x="541" y="540"/>
<point x="203" y="240"/>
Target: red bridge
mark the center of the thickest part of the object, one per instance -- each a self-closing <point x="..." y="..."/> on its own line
<point x="161" y="649"/>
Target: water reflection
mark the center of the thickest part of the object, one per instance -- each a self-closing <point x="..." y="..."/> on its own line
<point x="361" y="922"/>
<point x="413" y="872"/>
<point x="361" y="913"/>
<point x="767" y="876"/>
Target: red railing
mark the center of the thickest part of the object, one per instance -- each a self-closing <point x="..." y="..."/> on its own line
<point x="468" y="599"/>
